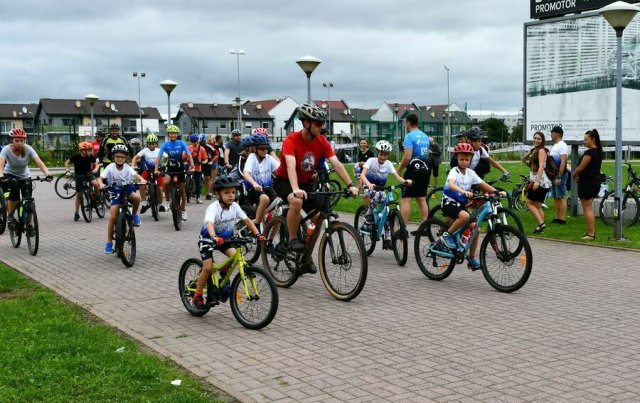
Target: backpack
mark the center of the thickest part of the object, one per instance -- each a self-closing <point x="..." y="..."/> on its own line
<point x="550" y="167"/>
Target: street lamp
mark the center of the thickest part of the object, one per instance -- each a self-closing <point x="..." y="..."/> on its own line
<point x="308" y="64"/>
<point x="448" y="137"/>
<point x="395" y="129"/>
<point x="168" y="86"/>
<point x="328" y="86"/>
<point x="92" y="99"/>
<point x="139" y="75"/>
<point x="619" y="15"/>
<point x="238" y="53"/>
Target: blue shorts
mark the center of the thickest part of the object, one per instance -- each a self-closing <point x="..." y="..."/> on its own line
<point x="558" y="191"/>
<point x="116" y="194"/>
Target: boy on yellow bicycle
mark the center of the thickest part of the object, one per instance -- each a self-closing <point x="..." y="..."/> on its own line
<point x="220" y="220"/>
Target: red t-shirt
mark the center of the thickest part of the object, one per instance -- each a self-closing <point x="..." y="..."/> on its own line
<point x="96" y="148"/>
<point x="308" y="154"/>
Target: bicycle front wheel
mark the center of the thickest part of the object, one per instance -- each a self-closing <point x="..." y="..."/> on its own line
<point x="507" y="216"/>
<point x="518" y="200"/>
<point x="85" y="205"/>
<point x="506" y="258"/>
<point x="126" y="239"/>
<point x="187" y="282"/>
<point x="99" y="204"/>
<point x="65" y="187"/>
<point x="257" y="308"/>
<point x="630" y="209"/>
<point x="175" y="207"/>
<point x="3" y="213"/>
<point x="366" y="231"/>
<point x="434" y="265"/>
<point x="32" y="232"/>
<point x="276" y="257"/>
<point x="153" y="201"/>
<point x="399" y="237"/>
<point x="434" y="196"/>
<point x="15" y="230"/>
<point x="342" y="261"/>
<point x="251" y="251"/>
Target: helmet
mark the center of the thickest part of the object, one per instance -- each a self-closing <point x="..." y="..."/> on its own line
<point x="224" y="182"/>
<point x="120" y="148"/>
<point x="99" y="133"/>
<point x="135" y="141"/>
<point x="18" y="132"/>
<point x="246" y="142"/>
<point x="384" y="146"/>
<point x="151" y="138"/>
<point x="463" y="148"/>
<point x="114" y="127"/>
<point x="194" y="137"/>
<point x="259" y="140"/>
<point x="476" y="134"/>
<point x="311" y="112"/>
<point x="261" y="130"/>
<point x="236" y="132"/>
<point x="461" y="133"/>
<point x="85" y="146"/>
<point x="173" y="129"/>
<point x="202" y="138"/>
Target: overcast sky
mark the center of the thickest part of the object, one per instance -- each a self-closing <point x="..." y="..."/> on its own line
<point x="373" y="50"/>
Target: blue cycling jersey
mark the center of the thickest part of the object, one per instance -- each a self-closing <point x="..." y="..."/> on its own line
<point x="418" y="141"/>
<point x="174" y="150"/>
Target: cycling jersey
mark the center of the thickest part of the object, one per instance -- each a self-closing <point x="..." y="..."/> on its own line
<point x="418" y="141"/>
<point x="16" y="165"/>
<point x="464" y="181"/>
<point x="174" y="150"/>
<point x="81" y="164"/>
<point x="224" y="220"/>
<point x="104" y="154"/>
<point x="261" y="171"/>
<point x="308" y="155"/>
<point x="118" y="177"/>
<point x="377" y="174"/>
<point x="148" y="158"/>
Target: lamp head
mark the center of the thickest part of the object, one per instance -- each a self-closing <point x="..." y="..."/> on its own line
<point x="308" y="64"/>
<point x="168" y="86"/>
<point x="92" y="99"/>
<point x="619" y="15"/>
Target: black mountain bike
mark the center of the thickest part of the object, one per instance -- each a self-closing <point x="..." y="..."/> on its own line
<point x="88" y="199"/>
<point x="175" y="200"/>
<point x="3" y="211"/>
<point x="630" y="203"/>
<point x="124" y="234"/>
<point x="65" y="186"/>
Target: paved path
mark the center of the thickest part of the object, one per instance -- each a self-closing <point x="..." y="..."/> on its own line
<point x="570" y="334"/>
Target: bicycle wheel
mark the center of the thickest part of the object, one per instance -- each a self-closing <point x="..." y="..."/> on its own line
<point x="630" y="209"/>
<point x="518" y="200"/>
<point x="3" y="212"/>
<point x="434" y="196"/>
<point x="65" y="187"/>
<point x="399" y="237"/>
<point x="436" y="212"/>
<point x="175" y="207"/>
<point x="366" y="231"/>
<point x="188" y="187"/>
<point x="433" y="265"/>
<point x="15" y="233"/>
<point x="85" y="205"/>
<point x="126" y="239"/>
<point x="509" y="266"/>
<point x="99" y="205"/>
<point x="342" y="261"/>
<point x="152" y="197"/>
<point x="507" y="216"/>
<point x="250" y="251"/>
<point x="334" y="186"/>
<point x="276" y="257"/>
<point x="187" y="281"/>
<point x="32" y="233"/>
<point x="258" y="308"/>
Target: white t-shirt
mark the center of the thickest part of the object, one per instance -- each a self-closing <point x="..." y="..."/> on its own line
<point x="261" y="171"/>
<point x="377" y="174"/>
<point x="479" y="153"/>
<point x="559" y="149"/>
<point x="463" y="181"/>
<point x="224" y="221"/>
<point x="118" y="177"/>
<point x="149" y="157"/>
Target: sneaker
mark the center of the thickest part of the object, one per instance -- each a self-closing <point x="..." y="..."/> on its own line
<point x="31" y="231"/>
<point x="448" y="241"/>
<point x="209" y="196"/>
<point x="386" y="244"/>
<point x="474" y="264"/>
<point x="161" y="208"/>
<point x="108" y="248"/>
<point x="11" y="222"/>
<point x="368" y="219"/>
<point x="136" y="220"/>
<point x="198" y="201"/>
<point x="184" y="215"/>
<point x="198" y="301"/>
<point x="76" y="216"/>
<point x="297" y="245"/>
<point x="225" y="293"/>
<point x="544" y="205"/>
<point x="166" y="206"/>
<point x="309" y="268"/>
<point x="144" y="208"/>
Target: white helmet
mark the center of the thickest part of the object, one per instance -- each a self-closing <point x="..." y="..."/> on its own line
<point x="384" y="146"/>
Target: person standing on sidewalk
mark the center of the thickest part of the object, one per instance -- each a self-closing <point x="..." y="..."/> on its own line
<point x="559" y="152"/>
<point x="587" y="175"/>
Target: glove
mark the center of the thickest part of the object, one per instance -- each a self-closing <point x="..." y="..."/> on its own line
<point x="219" y="241"/>
<point x="260" y="238"/>
<point x="506" y="175"/>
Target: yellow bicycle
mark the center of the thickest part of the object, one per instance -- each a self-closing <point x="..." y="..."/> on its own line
<point x="252" y="294"/>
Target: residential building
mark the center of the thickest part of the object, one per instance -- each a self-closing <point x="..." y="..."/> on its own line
<point x="390" y="117"/>
<point x="340" y="120"/>
<point x="365" y="126"/>
<point x="16" y="115"/>
<point x="220" y="118"/>
<point x="435" y="123"/>
<point x="280" y="109"/>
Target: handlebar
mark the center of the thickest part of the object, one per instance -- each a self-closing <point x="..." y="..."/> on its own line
<point x="48" y="178"/>
<point x="390" y="187"/>
<point x="343" y="193"/>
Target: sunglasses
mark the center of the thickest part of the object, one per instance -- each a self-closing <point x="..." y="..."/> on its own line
<point x="262" y="148"/>
<point x="317" y="124"/>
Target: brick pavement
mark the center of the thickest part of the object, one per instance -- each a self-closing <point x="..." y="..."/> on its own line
<point x="571" y="333"/>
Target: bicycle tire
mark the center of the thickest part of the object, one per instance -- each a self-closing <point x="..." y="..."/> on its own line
<point x="126" y="239"/>
<point x="251" y="251"/>
<point x="99" y="205"/>
<point x="187" y="279"/>
<point x="85" y="205"/>
<point x="175" y="207"/>
<point x="501" y="237"/>
<point x="152" y="198"/>
<point x="368" y="239"/>
<point x="267" y="291"/>
<point x="436" y="212"/>
<point x="3" y="212"/>
<point x="509" y="215"/>
<point x="33" y="234"/>
<point x="275" y="253"/>
<point x="399" y="237"/>
<point x="15" y="233"/>
<point x="344" y="259"/>
<point x="65" y="187"/>
<point x="517" y="200"/>
<point x="428" y="233"/>
<point x="334" y="186"/>
<point x="188" y="187"/>
<point x="434" y="195"/>
<point x="629" y="215"/>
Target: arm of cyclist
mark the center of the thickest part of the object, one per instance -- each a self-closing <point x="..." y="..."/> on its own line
<point x="497" y="165"/>
<point x="290" y="160"/>
<point x="140" y="179"/>
<point x="41" y="165"/>
<point x="365" y="181"/>
<point x="586" y="159"/>
<point x="485" y="187"/>
<point x="342" y="173"/>
<point x="134" y="161"/>
<point x="67" y="165"/>
<point x="256" y="186"/>
<point x="406" y="157"/>
<point x="226" y="158"/>
<point x="2" y="160"/>
<point x="212" y="233"/>
<point x="252" y="227"/>
<point x="402" y="180"/>
<point x="455" y="188"/>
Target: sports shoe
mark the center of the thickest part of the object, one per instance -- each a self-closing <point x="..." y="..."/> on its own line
<point x="198" y="201"/>
<point x="144" y="208"/>
<point x="386" y="244"/>
<point x="31" y="231"/>
<point x="166" y="206"/>
<point x="198" y="301"/>
<point x="108" y="248"/>
<point x="297" y="245"/>
<point x="76" y="216"/>
<point x="11" y="222"/>
<point x="225" y="293"/>
<point x="161" y="208"/>
<point x="209" y="196"/>
<point x="474" y="264"/>
<point x="184" y="215"/>
<point x="309" y="268"/>
<point x="448" y="241"/>
<point x="136" y="220"/>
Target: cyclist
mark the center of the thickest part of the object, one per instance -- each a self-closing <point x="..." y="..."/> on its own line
<point x="456" y="192"/>
<point x="135" y="145"/>
<point x="232" y="150"/>
<point x="16" y="156"/>
<point x="83" y="165"/>
<point x="300" y="156"/>
<point x="104" y="153"/>
<point x="174" y="149"/>
<point x="146" y="160"/>
<point x="120" y="174"/>
<point x="207" y="167"/>
<point x="258" y="172"/>
<point x="199" y="155"/>
<point x="96" y="143"/>
<point x="481" y="159"/>
<point x="220" y="220"/>
<point x="374" y="173"/>
<point x="265" y="132"/>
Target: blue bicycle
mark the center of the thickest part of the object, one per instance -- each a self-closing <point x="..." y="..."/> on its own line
<point x="505" y="253"/>
<point x="387" y="226"/>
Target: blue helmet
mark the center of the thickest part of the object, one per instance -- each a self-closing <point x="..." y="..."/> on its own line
<point x="259" y="140"/>
<point x="202" y="138"/>
<point x="194" y="137"/>
<point x="246" y="142"/>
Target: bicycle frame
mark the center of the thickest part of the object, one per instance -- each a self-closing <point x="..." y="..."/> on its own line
<point x="381" y="212"/>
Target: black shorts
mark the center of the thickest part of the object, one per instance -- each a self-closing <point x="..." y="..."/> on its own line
<point x="207" y="248"/>
<point x="14" y="188"/>
<point x="282" y="187"/>
<point x="206" y="170"/>
<point x="254" y="197"/>
<point x="537" y="195"/>
<point x="176" y="168"/>
<point x="420" y="178"/>
<point x="452" y="208"/>
<point x="588" y="188"/>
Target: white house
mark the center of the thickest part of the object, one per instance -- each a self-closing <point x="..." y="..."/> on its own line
<point x="280" y="109"/>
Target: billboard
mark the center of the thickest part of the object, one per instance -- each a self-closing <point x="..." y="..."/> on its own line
<point x="570" y="77"/>
<point x="556" y="8"/>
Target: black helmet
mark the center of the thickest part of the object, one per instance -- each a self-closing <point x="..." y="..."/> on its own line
<point x="475" y="134"/>
<point x="224" y="182"/>
<point x="311" y="112"/>
<point x="461" y="133"/>
<point x="114" y="126"/>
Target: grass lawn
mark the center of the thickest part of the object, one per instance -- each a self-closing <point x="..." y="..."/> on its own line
<point x="573" y="231"/>
<point x="54" y="351"/>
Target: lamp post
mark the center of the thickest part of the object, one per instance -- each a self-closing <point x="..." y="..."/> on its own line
<point x="395" y="129"/>
<point x="618" y="15"/>
<point x="308" y="64"/>
<point x="168" y="86"/>
<point x="448" y="142"/>
<point x="328" y="86"/>
<point x="92" y="99"/>
<point x="140" y="75"/>
<point x="238" y="53"/>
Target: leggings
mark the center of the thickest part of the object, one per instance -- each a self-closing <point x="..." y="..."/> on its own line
<point x="197" y="180"/>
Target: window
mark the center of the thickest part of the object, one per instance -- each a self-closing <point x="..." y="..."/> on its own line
<point x="28" y="124"/>
<point x="265" y="125"/>
<point x="223" y="125"/>
<point x="6" y="126"/>
<point x="248" y="125"/>
<point x="67" y="122"/>
<point x="98" y="122"/>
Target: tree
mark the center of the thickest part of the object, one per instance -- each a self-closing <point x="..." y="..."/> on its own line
<point x="516" y="135"/>
<point x="496" y="130"/>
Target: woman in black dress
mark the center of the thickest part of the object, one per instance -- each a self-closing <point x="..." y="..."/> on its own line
<point x="588" y="177"/>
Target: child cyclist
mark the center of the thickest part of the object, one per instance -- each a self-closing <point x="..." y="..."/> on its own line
<point x="219" y="222"/>
<point x="83" y="166"/>
<point x="455" y="194"/>
<point x="258" y="172"/>
<point x="145" y="159"/>
<point x="120" y="174"/>
<point x="374" y="173"/>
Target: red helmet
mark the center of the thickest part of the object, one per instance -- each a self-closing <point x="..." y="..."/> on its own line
<point x="463" y="148"/>
<point x="18" y="133"/>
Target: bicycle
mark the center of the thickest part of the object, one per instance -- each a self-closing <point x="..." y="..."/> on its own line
<point x="630" y="203"/>
<point x="249" y="288"/>
<point x="189" y="185"/>
<point x="436" y="192"/>
<point x="152" y="194"/>
<point x="3" y="211"/>
<point x="175" y="199"/>
<point x="65" y="186"/>
<point x="124" y="234"/>
<point x="505" y="253"/>
<point x="340" y="246"/>
<point x="519" y="194"/>
<point x="386" y="216"/>
<point x="251" y="250"/>
<point x="27" y="221"/>
<point x="88" y="199"/>
<point x="331" y="185"/>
